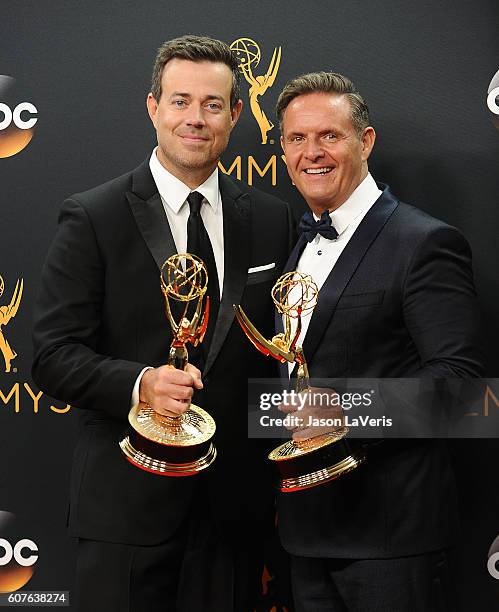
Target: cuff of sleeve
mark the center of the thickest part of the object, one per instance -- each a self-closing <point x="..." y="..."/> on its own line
<point x="136" y="387"/>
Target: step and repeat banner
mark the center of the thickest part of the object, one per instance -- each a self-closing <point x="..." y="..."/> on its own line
<point x="73" y="83"/>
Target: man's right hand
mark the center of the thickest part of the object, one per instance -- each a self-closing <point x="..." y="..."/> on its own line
<point x="169" y="391"/>
<point x="319" y="414"/>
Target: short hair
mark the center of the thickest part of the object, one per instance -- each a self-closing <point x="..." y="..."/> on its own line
<point x="325" y="82"/>
<point x="196" y="49"/>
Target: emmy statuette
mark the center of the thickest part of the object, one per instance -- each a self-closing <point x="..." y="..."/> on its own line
<point x="177" y="445"/>
<point x="310" y="462"/>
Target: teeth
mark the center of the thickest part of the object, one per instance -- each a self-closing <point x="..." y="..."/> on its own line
<point x="317" y="170"/>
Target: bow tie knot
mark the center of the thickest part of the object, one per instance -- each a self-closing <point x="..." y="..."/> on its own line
<point x="310" y="227"/>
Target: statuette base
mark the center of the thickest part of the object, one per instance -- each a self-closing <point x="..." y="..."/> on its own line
<point x="303" y="464"/>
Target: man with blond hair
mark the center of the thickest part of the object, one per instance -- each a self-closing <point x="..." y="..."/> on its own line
<point x="396" y="300"/>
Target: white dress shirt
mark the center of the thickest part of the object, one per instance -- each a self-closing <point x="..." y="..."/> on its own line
<point x="320" y="256"/>
<point x="174" y="198"/>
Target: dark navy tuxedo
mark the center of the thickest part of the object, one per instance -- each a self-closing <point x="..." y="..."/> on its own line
<point x="399" y="303"/>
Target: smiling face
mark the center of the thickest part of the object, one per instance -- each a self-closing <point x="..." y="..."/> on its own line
<point x="193" y="118"/>
<point x="325" y="157"/>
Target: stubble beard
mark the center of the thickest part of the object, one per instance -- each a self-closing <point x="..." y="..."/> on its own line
<point x="194" y="161"/>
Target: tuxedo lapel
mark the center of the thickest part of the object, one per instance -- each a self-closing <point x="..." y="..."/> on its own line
<point x="236" y="229"/>
<point x="295" y="254"/>
<point x="147" y="208"/>
<point x="345" y="267"/>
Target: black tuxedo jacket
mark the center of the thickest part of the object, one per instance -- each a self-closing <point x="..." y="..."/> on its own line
<point x="100" y="318"/>
<point x="399" y="303"/>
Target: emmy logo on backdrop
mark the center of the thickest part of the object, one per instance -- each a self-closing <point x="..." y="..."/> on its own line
<point x="309" y="462"/>
<point x="250" y="55"/>
<point x="8" y="312"/>
<point x="176" y="445"/>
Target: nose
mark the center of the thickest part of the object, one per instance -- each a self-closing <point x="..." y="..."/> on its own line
<point x="195" y="116"/>
<point x="313" y="150"/>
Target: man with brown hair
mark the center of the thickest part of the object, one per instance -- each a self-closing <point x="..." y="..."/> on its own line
<point x="396" y="300"/>
<point x="148" y="542"/>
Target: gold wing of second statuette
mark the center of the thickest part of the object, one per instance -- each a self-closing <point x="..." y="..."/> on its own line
<point x="267" y="347"/>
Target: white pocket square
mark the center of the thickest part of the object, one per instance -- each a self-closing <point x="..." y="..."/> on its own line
<point x="261" y="268"/>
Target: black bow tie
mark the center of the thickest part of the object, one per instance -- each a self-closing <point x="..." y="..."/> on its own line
<point x="310" y="227"/>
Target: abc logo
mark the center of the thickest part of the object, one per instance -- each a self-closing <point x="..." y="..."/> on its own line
<point x="18" y="554"/>
<point x="493" y="99"/>
<point x="493" y="562"/>
<point x="17" y="118"/>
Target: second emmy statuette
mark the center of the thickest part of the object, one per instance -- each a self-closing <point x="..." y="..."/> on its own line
<point x="176" y="445"/>
<point x="306" y="463"/>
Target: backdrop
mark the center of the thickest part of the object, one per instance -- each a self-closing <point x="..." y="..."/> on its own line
<point x="81" y="72"/>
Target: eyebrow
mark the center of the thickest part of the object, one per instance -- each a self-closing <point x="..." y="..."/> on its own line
<point x="188" y="95"/>
<point x="321" y="132"/>
<point x="215" y="97"/>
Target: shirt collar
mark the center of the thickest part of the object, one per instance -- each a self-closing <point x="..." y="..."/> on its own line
<point x="362" y="198"/>
<point x="174" y="193"/>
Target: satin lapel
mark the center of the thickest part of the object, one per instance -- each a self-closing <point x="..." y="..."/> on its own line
<point x="147" y="208"/>
<point x="345" y="267"/>
<point x="237" y="228"/>
<point x="295" y="254"/>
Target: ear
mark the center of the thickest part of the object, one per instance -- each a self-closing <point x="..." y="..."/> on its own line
<point x="235" y="113"/>
<point x="281" y="140"/>
<point x="152" y="107"/>
<point x="368" y="138"/>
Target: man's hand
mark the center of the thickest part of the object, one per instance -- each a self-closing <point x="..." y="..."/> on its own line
<point x="169" y="391"/>
<point x="317" y="412"/>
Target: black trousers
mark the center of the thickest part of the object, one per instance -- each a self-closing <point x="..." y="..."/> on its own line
<point x="198" y="570"/>
<point x="419" y="583"/>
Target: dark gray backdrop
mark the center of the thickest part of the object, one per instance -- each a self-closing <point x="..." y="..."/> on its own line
<point x="424" y="69"/>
